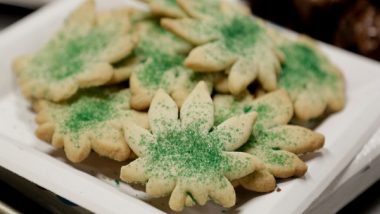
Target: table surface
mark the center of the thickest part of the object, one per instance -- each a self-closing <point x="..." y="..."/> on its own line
<point x="367" y="202"/>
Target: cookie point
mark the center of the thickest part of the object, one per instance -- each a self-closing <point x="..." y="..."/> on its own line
<point x="301" y="170"/>
<point x="282" y="92"/>
<point x="165" y="21"/>
<point x="123" y="173"/>
<point x="252" y="114"/>
<point x="161" y="92"/>
<point x="319" y="140"/>
<point x="258" y="164"/>
<point x="201" y="86"/>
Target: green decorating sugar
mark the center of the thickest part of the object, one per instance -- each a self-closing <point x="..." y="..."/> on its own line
<point x="83" y="116"/>
<point x="188" y="154"/>
<point x="171" y="2"/>
<point x="155" y="30"/>
<point x="276" y="157"/>
<point x="247" y="109"/>
<point x="156" y="65"/>
<point x="221" y="116"/>
<point x="264" y="111"/>
<point x="66" y="57"/>
<point x="260" y="144"/>
<point x="269" y="155"/>
<point x="262" y="136"/>
<point x="155" y="38"/>
<point x="88" y="109"/>
<point x="262" y="108"/>
<point x="302" y="68"/>
<point x="241" y="34"/>
<point x="209" y="7"/>
<point x="266" y="137"/>
<point x="234" y="108"/>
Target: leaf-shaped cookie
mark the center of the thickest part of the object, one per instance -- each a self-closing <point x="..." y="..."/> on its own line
<point x="230" y="41"/>
<point x="157" y="62"/>
<point x="78" y="55"/>
<point x="272" y="141"/>
<point x="92" y="119"/>
<point x="182" y="158"/>
<point x="314" y="84"/>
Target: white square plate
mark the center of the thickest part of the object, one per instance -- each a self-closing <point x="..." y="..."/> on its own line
<point x="93" y="184"/>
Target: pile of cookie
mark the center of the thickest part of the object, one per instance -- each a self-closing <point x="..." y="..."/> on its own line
<point x="199" y="93"/>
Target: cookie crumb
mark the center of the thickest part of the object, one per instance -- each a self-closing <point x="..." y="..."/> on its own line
<point x="117" y="182"/>
<point x="278" y="189"/>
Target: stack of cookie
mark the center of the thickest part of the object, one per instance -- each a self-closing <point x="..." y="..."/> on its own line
<point x="200" y="91"/>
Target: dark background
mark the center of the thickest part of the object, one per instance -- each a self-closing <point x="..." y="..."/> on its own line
<point x="350" y="24"/>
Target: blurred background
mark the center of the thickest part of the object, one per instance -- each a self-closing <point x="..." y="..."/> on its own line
<point x="351" y="24"/>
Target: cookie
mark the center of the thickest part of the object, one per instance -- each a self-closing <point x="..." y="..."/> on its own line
<point x="92" y="119"/>
<point x="232" y="42"/>
<point x="182" y="158"/>
<point x="157" y="62"/>
<point x="165" y="8"/>
<point x="272" y="141"/>
<point x="78" y="56"/>
<point x="314" y="84"/>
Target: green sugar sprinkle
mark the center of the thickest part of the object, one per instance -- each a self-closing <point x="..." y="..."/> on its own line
<point x="260" y="143"/>
<point x="83" y="116"/>
<point x="88" y="109"/>
<point x="303" y="68"/>
<point x="156" y="38"/>
<point x="264" y="111"/>
<point x="171" y="3"/>
<point x="69" y="55"/>
<point x="234" y="108"/>
<point x="155" y="30"/>
<point x="276" y="158"/>
<point x="157" y="63"/>
<point x="187" y="154"/>
<point x="270" y="156"/>
<point x="240" y="34"/>
<point x="260" y="136"/>
<point x="209" y="7"/>
<point x="247" y="109"/>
